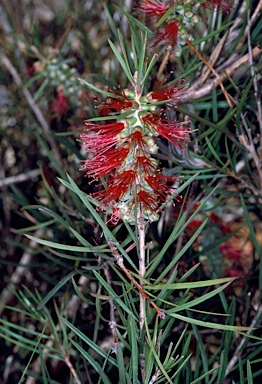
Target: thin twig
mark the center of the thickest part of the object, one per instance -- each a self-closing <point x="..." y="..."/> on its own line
<point x="70" y="366"/>
<point x="257" y="98"/>
<point x="253" y="18"/>
<point x="212" y="70"/>
<point x="19" y="273"/>
<point x="120" y="263"/>
<point x="112" y="323"/>
<point x="19" y="178"/>
<point x="234" y="359"/>
<point x="34" y="107"/>
<point x="194" y="94"/>
<point x="163" y="65"/>
<point x="142" y="268"/>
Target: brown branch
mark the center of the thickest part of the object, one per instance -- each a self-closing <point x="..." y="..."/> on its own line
<point x="20" y="272"/>
<point x="255" y="82"/>
<point x="112" y="323"/>
<point x="212" y="70"/>
<point x="70" y="366"/>
<point x="194" y="94"/>
<point x="120" y="263"/>
<point x="163" y="65"/>
<point x="34" y="107"/>
<point x="19" y="178"/>
<point x="235" y="357"/>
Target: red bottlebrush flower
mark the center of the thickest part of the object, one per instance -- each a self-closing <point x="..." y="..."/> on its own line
<point x="225" y="5"/>
<point x="158" y="184"/>
<point x="169" y="92"/>
<point x="152" y="8"/>
<point x="230" y="252"/>
<point x="118" y="185"/>
<point x="124" y="149"/>
<point x="60" y="104"/>
<point x="235" y="272"/>
<point x="104" y="139"/>
<point x="176" y="133"/>
<point x="217" y="220"/>
<point x="145" y="164"/>
<point x="147" y="201"/>
<point x="167" y="35"/>
<point x="102" y="165"/>
<point x="117" y="104"/>
<point x="194" y="225"/>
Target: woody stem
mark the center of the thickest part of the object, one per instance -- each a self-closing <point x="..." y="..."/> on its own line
<point x="142" y="300"/>
<point x="142" y="268"/>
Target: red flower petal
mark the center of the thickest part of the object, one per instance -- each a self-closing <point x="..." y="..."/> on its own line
<point x="101" y="165"/>
<point x="152" y="8"/>
<point x="167" y="35"/>
<point x="176" y="133"/>
<point x="118" y="185"/>
<point x="60" y="104"/>
<point x="225" y="5"/>
<point x="169" y="92"/>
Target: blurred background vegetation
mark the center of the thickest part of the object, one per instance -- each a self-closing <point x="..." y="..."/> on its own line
<point x="46" y="46"/>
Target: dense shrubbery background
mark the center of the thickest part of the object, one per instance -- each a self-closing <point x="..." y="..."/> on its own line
<point x="58" y="302"/>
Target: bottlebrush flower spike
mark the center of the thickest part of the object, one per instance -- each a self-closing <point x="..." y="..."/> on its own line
<point x="122" y="152"/>
<point x="176" y="133"/>
<point x="225" y="5"/>
<point x="152" y="8"/>
<point x="59" y="106"/>
<point x="168" y="92"/>
<point x="174" y="30"/>
<point x="168" y="35"/>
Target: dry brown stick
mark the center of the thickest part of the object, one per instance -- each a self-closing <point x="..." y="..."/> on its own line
<point x="194" y="94"/>
<point x="18" y="274"/>
<point x="34" y="107"/>
<point x="75" y="301"/>
<point x="163" y="65"/>
<point x="213" y="71"/>
<point x="120" y="263"/>
<point x="252" y="20"/>
<point x="19" y="178"/>
<point x="70" y="366"/>
<point x="235" y="358"/>
<point x="255" y="83"/>
<point x="216" y="53"/>
<point x="112" y="323"/>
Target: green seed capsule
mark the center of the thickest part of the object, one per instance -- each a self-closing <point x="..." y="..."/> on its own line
<point x="129" y="93"/>
<point x="184" y="35"/>
<point x="195" y="19"/>
<point x="148" y="107"/>
<point x="188" y="11"/>
<point x="131" y="121"/>
<point x="179" y="6"/>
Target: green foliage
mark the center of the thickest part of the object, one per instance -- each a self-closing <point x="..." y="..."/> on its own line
<point x="70" y="310"/>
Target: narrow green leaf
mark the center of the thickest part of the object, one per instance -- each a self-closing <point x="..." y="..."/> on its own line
<point x="109" y="235"/>
<point x="132" y="333"/>
<point x="58" y="286"/>
<point x="249" y="373"/>
<point x="91" y="361"/>
<point x="97" y="90"/>
<point x="191" y="285"/>
<point x="207" y="324"/>
<point x="113" y="294"/>
<point x="122" y="62"/>
<point x="88" y="341"/>
<point x="121" y="364"/>
<point x="200" y="378"/>
<point x="65" y="247"/>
